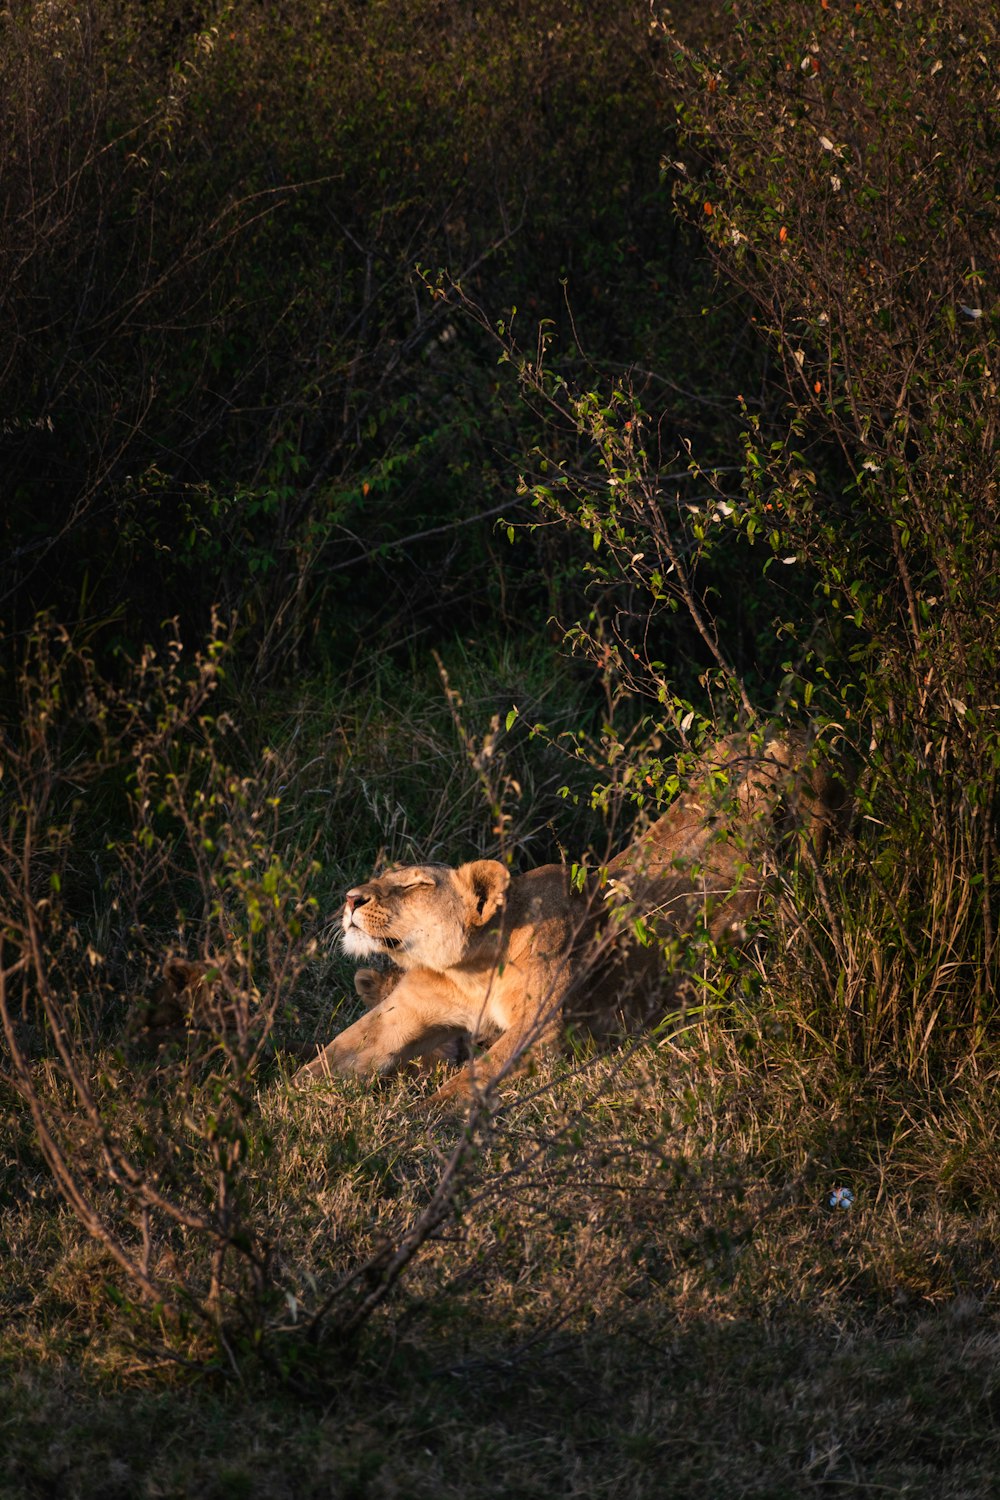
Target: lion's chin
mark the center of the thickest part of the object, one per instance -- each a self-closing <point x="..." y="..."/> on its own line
<point x="361" y="944"/>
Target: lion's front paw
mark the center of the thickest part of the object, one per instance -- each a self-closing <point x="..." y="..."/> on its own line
<point x="458" y="1092"/>
<point x="316" y="1068"/>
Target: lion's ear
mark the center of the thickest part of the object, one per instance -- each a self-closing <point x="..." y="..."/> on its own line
<point x="486" y="882"/>
<point x="179" y="972"/>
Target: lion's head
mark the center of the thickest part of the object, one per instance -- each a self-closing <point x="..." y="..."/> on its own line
<point x="424" y="914"/>
<point x="190" y="995"/>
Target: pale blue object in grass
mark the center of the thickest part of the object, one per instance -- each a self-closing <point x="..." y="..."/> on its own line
<point x="841" y="1198"/>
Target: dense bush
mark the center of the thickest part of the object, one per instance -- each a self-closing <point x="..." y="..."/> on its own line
<point x="849" y="191"/>
<point x="222" y="383"/>
<point x="839" y="167"/>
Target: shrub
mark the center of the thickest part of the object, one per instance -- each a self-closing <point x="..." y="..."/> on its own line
<point x="220" y="384"/>
<point x="838" y="163"/>
<point x="846" y="167"/>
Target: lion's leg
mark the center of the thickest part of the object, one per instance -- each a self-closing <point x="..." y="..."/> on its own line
<point x="507" y="1056"/>
<point x="379" y="1042"/>
<point x="535" y="1022"/>
<point x="423" y="1011"/>
<point x="449" y="1044"/>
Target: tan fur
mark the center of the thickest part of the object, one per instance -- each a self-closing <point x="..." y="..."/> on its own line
<point x="197" y="996"/>
<point x="483" y="955"/>
<point x="373" y="985"/>
<point x="184" y="998"/>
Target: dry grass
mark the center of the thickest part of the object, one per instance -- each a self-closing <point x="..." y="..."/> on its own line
<point x="642" y="1291"/>
<point x="638" y="1287"/>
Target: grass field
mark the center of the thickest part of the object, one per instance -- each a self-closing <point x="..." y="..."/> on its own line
<point x="643" y="1290"/>
<point x="637" y="1284"/>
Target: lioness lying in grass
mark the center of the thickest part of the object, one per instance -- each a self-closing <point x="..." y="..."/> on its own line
<point x="478" y="953"/>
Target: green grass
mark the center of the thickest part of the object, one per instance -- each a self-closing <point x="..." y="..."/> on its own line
<point x="718" y="1407"/>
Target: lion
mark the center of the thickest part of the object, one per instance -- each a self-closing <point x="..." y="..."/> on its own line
<point x="210" y="998"/>
<point x="184" y="998"/>
<point x="510" y="961"/>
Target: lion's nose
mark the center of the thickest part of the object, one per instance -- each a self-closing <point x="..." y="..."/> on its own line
<point x="355" y="899"/>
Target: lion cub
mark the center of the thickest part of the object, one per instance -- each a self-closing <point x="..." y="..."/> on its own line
<point x="485" y="955"/>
